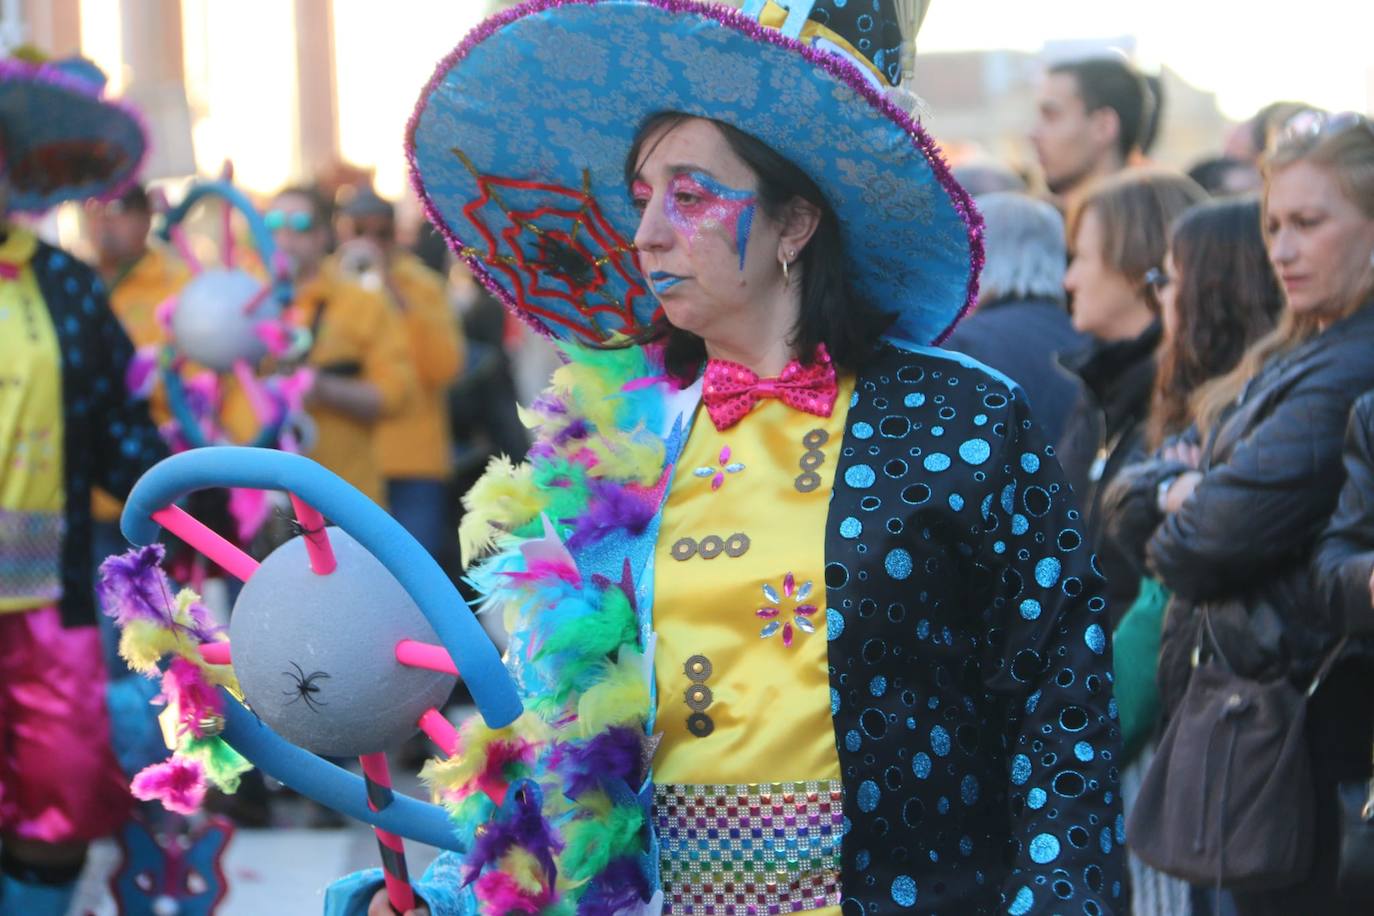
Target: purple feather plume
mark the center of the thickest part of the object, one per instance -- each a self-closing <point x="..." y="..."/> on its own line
<point x="611" y="508"/>
<point x="613" y="754"/>
<point x="521" y="824"/>
<point x="621" y="886"/>
<point x="134" y="587"/>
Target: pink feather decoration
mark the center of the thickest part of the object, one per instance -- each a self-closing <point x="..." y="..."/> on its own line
<point x="500" y="894"/>
<point x="179" y="783"/>
<point x="196" y="698"/>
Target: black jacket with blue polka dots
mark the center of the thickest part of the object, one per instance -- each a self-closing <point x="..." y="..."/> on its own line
<point x="108" y="438"/>
<point x="970" y="664"/>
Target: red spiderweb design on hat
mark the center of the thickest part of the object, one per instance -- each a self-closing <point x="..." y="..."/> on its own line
<point x="558" y="248"/>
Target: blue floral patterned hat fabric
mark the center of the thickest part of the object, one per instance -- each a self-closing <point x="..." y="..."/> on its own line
<point x="518" y="142"/>
<point x="61" y="139"/>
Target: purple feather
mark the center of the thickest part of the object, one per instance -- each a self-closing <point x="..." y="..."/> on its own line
<point x="577" y="429"/>
<point x="611" y="508"/>
<point x="621" y="886"/>
<point x="520" y="822"/>
<point x="134" y="587"/>
<point x="613" y="754"/>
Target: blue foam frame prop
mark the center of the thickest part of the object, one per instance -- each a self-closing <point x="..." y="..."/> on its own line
<point x="186" y="420"/>
<point x="476" y="658"/>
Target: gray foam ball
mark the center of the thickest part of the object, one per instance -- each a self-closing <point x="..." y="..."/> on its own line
<point x="209" y="324"/>
<point x="293" y="630"/>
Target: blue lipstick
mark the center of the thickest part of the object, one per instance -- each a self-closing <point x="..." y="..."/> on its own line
<point x="663" y="281"/>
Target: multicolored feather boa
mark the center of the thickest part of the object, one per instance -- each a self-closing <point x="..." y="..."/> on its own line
<point x="156" y="626"/>
<point x="572" y="835"/>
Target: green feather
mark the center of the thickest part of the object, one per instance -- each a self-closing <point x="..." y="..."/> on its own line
<point x="594" y="842"/>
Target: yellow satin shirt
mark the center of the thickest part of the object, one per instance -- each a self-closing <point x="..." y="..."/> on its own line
<point x="740" y="662"/>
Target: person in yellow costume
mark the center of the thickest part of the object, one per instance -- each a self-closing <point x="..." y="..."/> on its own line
<point x="358" y="348"/>
<point x="139" y="276"/>
<point x="414" y="448"/>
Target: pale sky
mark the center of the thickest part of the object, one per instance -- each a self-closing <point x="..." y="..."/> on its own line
<point x="1249" y="52"/>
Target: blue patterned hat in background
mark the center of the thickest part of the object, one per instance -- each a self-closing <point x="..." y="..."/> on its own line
<point x="518" y="142"/>
<point x="61" y="139"/>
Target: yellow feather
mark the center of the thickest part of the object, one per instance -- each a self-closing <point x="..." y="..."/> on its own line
<point x="144" y="643"/>
<point x="521" y="865"/>
<point x="639" y="459"/>
<point x="504" y="498"/>
<point x="621" y="698"/>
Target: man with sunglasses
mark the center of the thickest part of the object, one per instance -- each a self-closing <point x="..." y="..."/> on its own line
<point x="414" y="447"/>
<point x="358" y="347"/>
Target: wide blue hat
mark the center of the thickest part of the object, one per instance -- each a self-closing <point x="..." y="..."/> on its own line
<point x="61" y="139"/>
<point x="518" y="142"/>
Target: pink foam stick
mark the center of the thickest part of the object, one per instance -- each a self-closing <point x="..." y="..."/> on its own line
<point x="258" y="299"/>
<point x="440" y="731"/>
<point x="262" y="405"/>
<point x="317" y="545"/>
<point x="377" y="777"/>
<point x="227" y="243"/>
<point x="229" y="558"/>
<point x="425" y="655"/>
<point x="215" y="653"/>
<point x="183" y="246"/>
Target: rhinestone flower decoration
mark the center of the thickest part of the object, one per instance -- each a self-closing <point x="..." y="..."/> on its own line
<point x="718" y="471"/>
<point x="778" y="607"/>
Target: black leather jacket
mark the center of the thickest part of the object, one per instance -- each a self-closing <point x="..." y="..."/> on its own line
<point x="1242" y="543"/>
<point x="1344" y="559"/>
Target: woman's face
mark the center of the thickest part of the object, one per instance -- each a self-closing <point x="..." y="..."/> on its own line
<point x="1319" y="242"/>
<point x="1106" y="304"/>
<point x="710" y="253"/>
<point x="1168" y="296"/>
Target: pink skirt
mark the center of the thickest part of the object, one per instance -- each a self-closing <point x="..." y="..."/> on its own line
<point x="59" y="781"/>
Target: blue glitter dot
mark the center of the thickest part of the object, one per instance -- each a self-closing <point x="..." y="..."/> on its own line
<point x="1104" y="840"/>
<point x="965" y="846"/>
<point x="1083" y="751"/>
<point x="1047" y="572"/>
<point x="915" y="399"/>
<point x="1121" y="828"/>
<point x="1036" y="798"/>
<point x="1022" y="902"/>
<point x="1044" y="849"/>
<point x="1019" y="525"/>
<point x="834" y="623"/>
<point x="1030" y="609"/>
<point x="1020" y="769"/>
<point x="903" y="891"/>
<point x="868" y="795"/>
<point x="860" y="477"/>
<point x="942" y="805"/>
<point x="851" y="528"/>
<point x="968" y="789"/>
<point x="999" y="547"/>
<point x="934" y="856"/>
<point x="878" y="686"/>
<point x="956" y="502"/>
<point x="920" y="765"/>
<point x="1032" y="701"/>
<point x="936" y="462"/>
<point x="939" y="741"/>
<point x="834" y="701"/>
<point x="1030" y="462"/>
<point x="1096" y="639"/>
<point x="1008" y="498"/>
<point x="980" y="420"/>
<point x="975" y="451"/>
<point x="853" y="740"/>
<point x="898" y="564"/>
<point x="862" y="859"/>
<point x="862" y="431"/>
<point x="923" y="629"/>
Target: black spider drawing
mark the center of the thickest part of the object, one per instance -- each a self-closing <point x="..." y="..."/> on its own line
<point x="304" y="687"/>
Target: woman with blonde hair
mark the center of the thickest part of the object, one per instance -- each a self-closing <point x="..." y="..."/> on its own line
<point x="1239" y="532"/>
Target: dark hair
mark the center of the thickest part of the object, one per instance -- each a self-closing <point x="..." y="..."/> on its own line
<point x="1106" y="82"/>
<point x="135" y="199"/>
<point x="1211" y="173"/>
<point x="830" y="313"/>
<point x="1227" y="298"/>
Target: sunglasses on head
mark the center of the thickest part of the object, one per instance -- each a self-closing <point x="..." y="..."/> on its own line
<point x="280" y="219"/>
<point x="1313" y="123"/>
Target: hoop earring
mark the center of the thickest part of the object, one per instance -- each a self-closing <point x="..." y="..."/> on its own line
<point x="786" y="277"/>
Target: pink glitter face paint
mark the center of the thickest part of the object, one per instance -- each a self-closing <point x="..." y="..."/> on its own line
<point x="697" y="203"/>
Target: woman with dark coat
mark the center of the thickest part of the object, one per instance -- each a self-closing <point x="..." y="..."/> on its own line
<point x="1240" y="530"/>
<point x="1117" y="235"/>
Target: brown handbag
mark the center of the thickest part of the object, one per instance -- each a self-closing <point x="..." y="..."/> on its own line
<point x="1228" y="799"/>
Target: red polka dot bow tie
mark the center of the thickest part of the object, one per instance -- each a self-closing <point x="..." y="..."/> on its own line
<point x="730" y="390"/>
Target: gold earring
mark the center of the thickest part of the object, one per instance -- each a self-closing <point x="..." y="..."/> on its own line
<point x="786" y="277"/>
